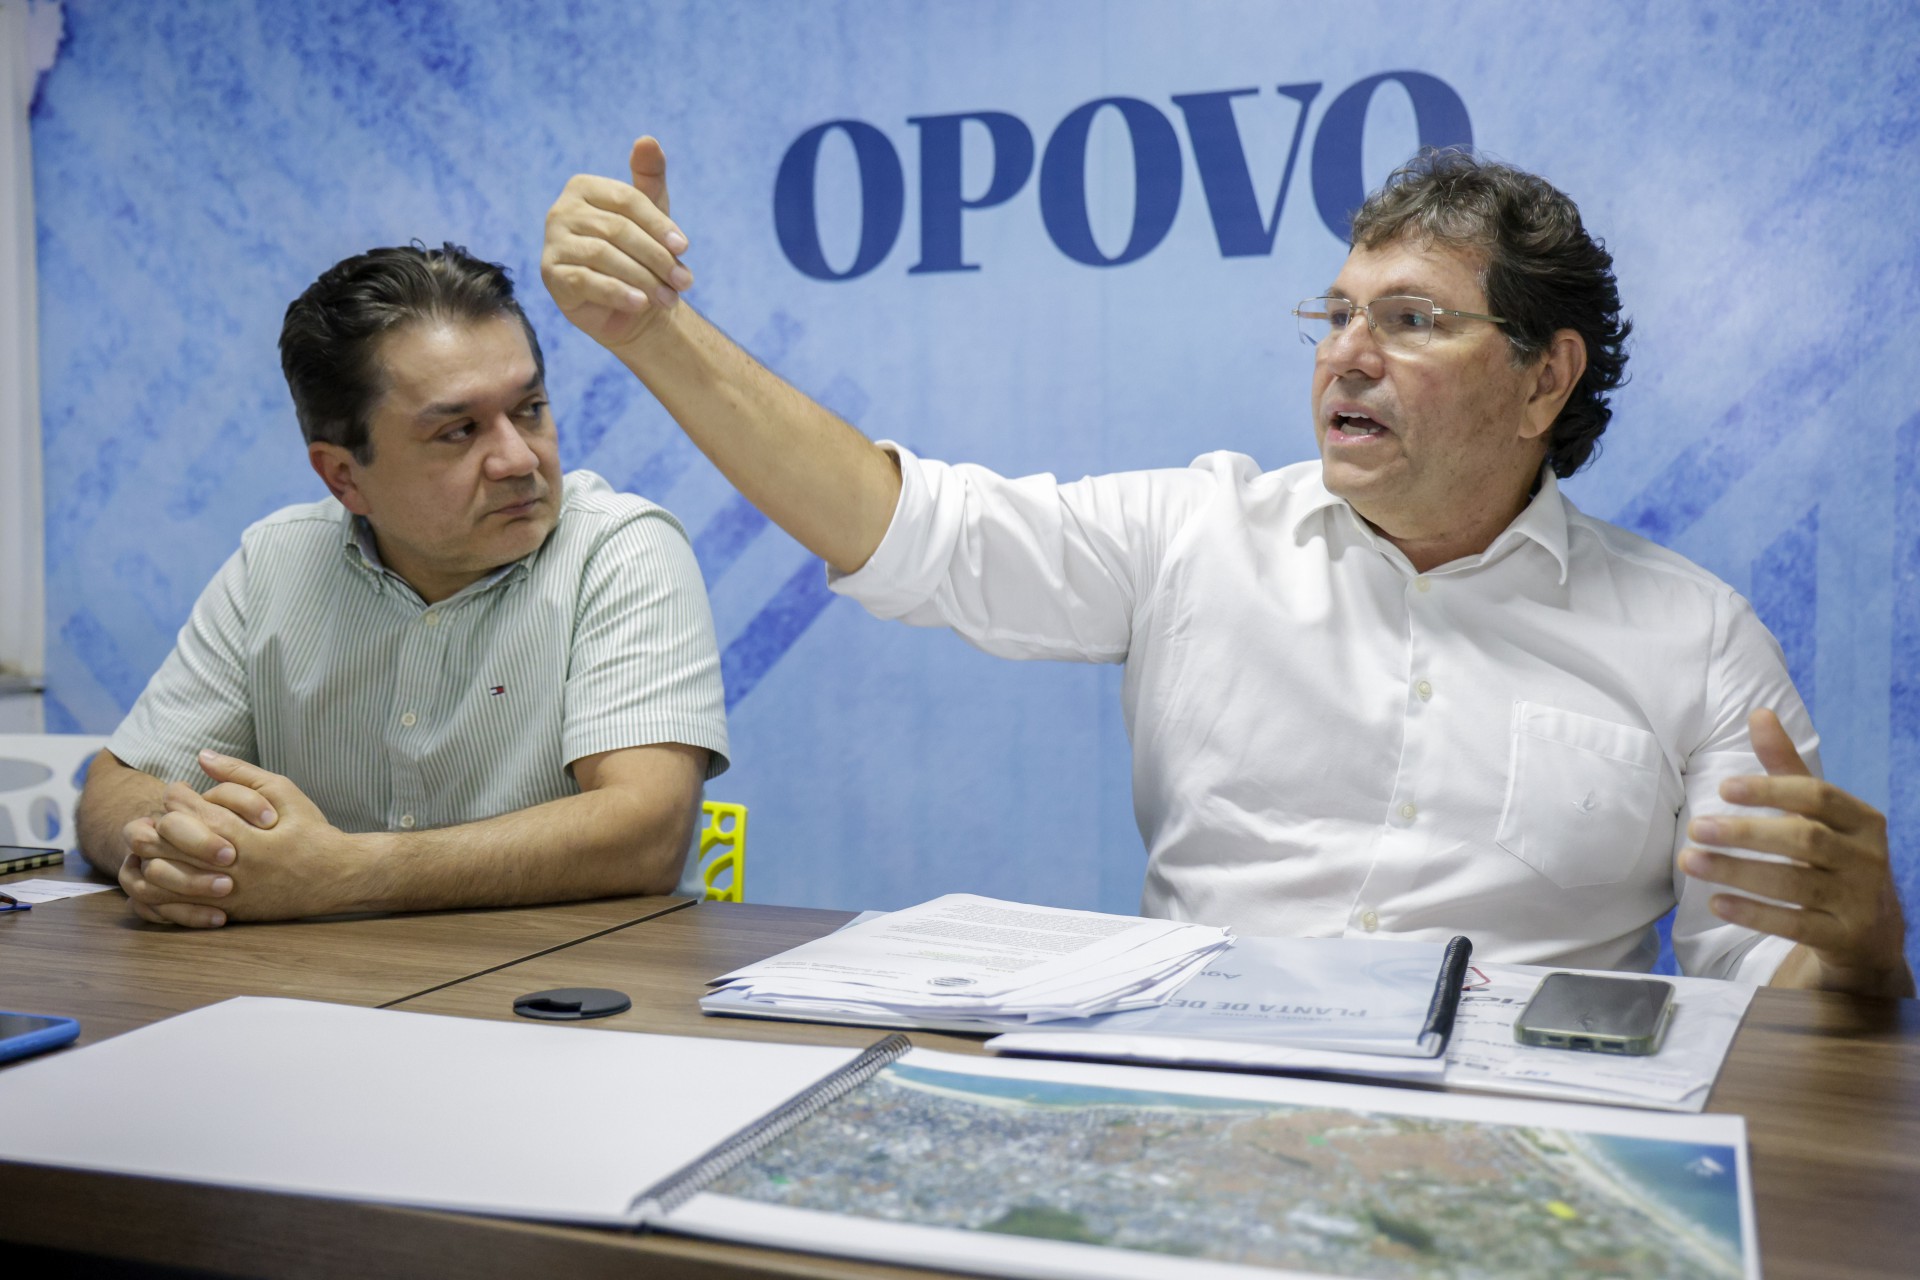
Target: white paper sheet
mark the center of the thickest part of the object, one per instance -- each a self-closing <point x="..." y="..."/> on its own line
<point x="37" y="891"/>
<point x="968" y="955"/>
<point x="1484" y="1055"/>
<point x="515" y="1118"/>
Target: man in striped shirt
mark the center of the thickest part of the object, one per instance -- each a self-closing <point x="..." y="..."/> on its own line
<point x="462" y="680"/>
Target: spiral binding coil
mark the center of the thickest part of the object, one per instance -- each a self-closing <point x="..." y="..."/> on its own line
<point x="683" y="1184"/>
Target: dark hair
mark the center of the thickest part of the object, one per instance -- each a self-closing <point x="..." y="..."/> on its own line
<point x="332" y="334"/>
<point x="1543" y="271"/>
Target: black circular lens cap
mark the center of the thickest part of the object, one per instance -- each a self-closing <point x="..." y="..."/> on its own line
<point x="572" y="1004"/>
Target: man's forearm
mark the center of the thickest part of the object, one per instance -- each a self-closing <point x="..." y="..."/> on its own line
<point x="805" y="469"/>
<point x="114" y="795"/>
<point x="594" y="845"/>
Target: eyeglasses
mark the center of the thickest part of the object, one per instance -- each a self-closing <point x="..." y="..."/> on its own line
<point x="1403" y="323"/>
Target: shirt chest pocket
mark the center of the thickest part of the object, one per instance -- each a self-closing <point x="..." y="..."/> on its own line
<point x="1580" y="795"/>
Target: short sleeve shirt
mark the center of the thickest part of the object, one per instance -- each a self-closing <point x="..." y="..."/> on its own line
<point x="310" y="658"/>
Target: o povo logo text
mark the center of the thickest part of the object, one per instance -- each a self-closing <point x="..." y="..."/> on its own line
<point x="1244" y="225"/>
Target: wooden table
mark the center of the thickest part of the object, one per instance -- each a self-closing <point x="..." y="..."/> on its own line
<point x="90" y="958"/>
<point x="664" y="968"/>
<point x="1830" y="1087"/>
<point x="143" y="1222"/>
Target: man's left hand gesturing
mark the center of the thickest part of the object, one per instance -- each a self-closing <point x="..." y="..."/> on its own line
<point x="1842" y="908"/>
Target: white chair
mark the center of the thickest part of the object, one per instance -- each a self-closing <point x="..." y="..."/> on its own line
<point x="40" y="777"/>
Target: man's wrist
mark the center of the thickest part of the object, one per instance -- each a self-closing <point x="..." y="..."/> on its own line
<point x="1805" y="969"/>
<point x="662" y="339"/>
<point x="362" y="872"/>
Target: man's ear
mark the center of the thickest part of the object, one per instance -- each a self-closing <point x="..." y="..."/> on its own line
<point x="339" y="471"/>
<point x="1556" y="372"/>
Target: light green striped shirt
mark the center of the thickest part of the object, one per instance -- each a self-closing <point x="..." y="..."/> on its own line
<point x="310" y="658"/>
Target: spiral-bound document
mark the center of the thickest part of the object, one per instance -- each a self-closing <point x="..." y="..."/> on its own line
<point x="1352" y="1005"/>
<point x="992" y="1166"/>
<point x="511" y="1118"/>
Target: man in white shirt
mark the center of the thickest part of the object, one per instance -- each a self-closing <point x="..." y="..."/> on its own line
<point x="1407" y="689"/>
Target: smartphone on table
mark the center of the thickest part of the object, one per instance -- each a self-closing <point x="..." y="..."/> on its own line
<point x="1596" y="1014"/>
<point x="26" y="1033"/>
<point x="19" y="857"/>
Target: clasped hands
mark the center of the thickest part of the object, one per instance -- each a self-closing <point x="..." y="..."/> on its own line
<point x="1835" y="896"/>
<point x="252" y="847"/>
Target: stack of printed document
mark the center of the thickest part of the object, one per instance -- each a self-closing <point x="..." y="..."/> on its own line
<point x="970" y="963"/>
<point x="1368" y="1006"/>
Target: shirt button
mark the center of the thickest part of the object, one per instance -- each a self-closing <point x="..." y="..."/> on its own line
<point x="1407" y="811"/>
<point x="1369" y="920"/>
<point x="1422" y="585"/>
<point x="1424" y="689"/>
<point x="407" y="720"/>
<point x="433" y="619"/>
<point x="406" y="821"/>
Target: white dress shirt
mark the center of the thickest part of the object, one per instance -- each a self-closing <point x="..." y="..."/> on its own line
<point x="1327" y="743"/>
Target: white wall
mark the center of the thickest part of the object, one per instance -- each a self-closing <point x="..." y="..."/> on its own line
<point x="22" y="597"/>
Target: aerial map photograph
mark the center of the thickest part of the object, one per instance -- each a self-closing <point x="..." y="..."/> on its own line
<point x="1304" y="1188"/>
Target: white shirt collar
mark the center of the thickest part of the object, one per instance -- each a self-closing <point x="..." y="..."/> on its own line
<point x="1543" y="520"/>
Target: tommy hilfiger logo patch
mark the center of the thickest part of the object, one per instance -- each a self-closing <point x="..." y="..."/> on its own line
<point x="497" y="690"/>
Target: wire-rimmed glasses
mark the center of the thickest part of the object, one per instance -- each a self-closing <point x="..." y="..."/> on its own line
<point x="1398" y="321"/>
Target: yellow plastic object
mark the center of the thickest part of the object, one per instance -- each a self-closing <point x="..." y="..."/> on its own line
<point x="724" y="837"/>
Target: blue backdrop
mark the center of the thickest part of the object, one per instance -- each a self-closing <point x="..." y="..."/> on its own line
<point x="1057" y="237"/>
